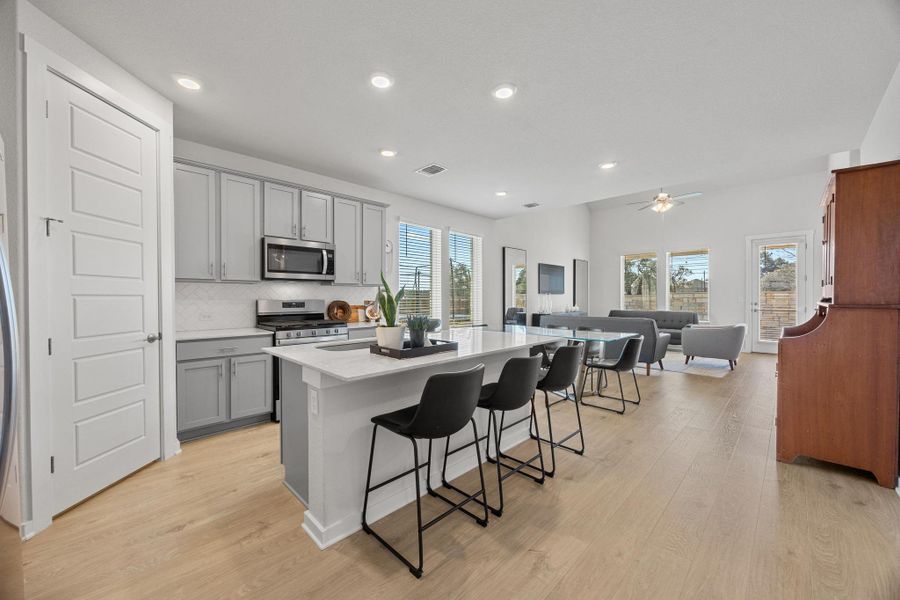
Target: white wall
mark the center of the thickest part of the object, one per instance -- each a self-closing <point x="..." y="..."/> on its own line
<point x="882" y="141"/>
<point x="557" y="237"/>
<point x="235" y="304"/>
<point x="720" y="221"/>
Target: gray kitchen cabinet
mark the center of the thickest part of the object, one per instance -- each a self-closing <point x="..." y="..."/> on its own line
<point x="281" y="211"/>
<point x="240" y="239"/>
<point x="372" y="244"/>
<point x="347" y="241"/>
<point x="195" y="222"/>
<point x="316" y="213"/>
<point x="201" y="393"/>
<point x="222" y="383"/>
<point x="251" y="385"/>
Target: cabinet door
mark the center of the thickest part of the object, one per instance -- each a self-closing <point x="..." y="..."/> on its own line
<point x="201" y="393"/>
<point x="315" y="217"/>
<point x="347" y="234"/>
<point x="251" y="385"/>
<point x="372" y="244"/>
<point x="241" y="239"/>
<point x="195" y="222"/>
<point x="281" y="210"/>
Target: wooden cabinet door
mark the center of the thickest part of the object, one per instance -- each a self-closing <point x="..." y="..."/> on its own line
<point x="372" y="244"/>
<point x="347" y="237"/>
<point x="316" y="217"/>
<point x="240" y="230"/>
<point x="195" y="223"/>
<point x="201" y="393"/>
<point x="251" y="385"/>
<point x="281" y="211"/>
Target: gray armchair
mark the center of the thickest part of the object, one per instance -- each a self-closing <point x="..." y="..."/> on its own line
<point x="713" y="341"/>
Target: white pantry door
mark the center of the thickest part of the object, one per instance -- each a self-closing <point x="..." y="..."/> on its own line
<point x="102" y="178"/>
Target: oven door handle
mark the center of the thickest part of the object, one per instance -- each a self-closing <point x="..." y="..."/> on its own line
<point x="324" y="262"/>
<point x="342" y="337"/>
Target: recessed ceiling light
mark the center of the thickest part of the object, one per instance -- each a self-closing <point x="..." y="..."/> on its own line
<point x="388" y="153"/>
<point x="608" y="165"/>
<point x="500" y="194"/>
<point x="504" y="91"/>
<point x="187" y="82"/>
<point x="382" y="81"/>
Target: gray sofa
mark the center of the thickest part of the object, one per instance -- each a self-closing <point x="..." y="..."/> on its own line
<point x="668" y="321"/>
<point x="652" y="350"/>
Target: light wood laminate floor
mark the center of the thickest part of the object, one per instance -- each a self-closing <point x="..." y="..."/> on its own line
<point x="679" y="498"/>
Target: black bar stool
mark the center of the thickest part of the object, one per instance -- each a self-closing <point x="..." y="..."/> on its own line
<point x="513" y="390"/>
<point x="446" y="406"/>
<point x="560" y="377"/>
<point x="626" y="362"/>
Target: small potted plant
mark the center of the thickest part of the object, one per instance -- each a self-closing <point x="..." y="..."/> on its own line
<point x="418" y="326"/>
<point x="389" y="335"/>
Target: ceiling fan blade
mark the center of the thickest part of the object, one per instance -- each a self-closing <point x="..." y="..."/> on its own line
<point x="635" y="203"/>
<point x="646" y="207"/>
<point x="688" y="195"/>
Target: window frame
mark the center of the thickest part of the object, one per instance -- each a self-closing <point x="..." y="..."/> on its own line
<point x="655" y="296"/>
<point x="695" y="251"/>
<point x="476" y="303"/>
<point x="436" y="267"/>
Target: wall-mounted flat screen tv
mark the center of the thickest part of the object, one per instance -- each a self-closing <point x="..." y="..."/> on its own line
<point x="551" y="279"/>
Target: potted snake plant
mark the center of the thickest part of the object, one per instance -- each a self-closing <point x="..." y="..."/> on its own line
<point x="389" y="335"/>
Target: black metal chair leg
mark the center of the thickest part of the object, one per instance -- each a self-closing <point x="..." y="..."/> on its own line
<point x="636" y="387"/>
<point x="578" y="416"/>
<point x="492" y="418"/>
<point x="621" y="390"/>
<point x="522" y="464"/>
<point x="481" y="475"/>
<point x="417" y="571"/>
<point x="602" y="395"/>
<point x="552" y="470"/>
<point x="365" y="525"/>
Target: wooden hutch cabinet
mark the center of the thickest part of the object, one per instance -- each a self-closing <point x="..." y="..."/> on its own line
<point x="838" y="373"/>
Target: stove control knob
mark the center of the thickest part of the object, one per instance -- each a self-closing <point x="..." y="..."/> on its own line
<point x="288" y="334"/>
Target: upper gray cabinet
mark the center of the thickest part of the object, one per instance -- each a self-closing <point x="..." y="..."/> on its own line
<point x="347" y="241"/>
<point x="281" y="211"/>
<point x="316" y="213"/>
<point x="240" y="209"/>
<point x="195" y="222"/>
<point x="372" y="244"/>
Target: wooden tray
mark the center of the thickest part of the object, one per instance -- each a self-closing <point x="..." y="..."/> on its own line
<point x="407" y="352"/>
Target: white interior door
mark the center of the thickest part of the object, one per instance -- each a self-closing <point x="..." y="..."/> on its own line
<point x="102" y="180"/>
<point x="778" y="289"/>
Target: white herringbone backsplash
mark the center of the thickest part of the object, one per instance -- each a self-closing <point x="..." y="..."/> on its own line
<point x="232" y="305"/>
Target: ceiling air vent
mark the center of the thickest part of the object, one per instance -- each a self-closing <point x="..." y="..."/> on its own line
<point x="431" y="170"/>
<point x="531" y="205"/>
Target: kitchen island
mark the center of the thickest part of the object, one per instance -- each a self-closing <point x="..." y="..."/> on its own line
<point x="329" y="393"/>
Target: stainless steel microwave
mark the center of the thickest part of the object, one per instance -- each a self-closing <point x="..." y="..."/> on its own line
<point x="291" y="259"/>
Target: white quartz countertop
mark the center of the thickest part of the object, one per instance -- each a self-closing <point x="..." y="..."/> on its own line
<point x="353" y="365"/>
<point x="214" y="334"/>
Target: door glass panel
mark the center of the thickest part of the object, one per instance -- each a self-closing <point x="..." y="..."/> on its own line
<point x="777" y="289"/>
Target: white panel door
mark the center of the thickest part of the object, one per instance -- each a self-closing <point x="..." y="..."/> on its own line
<point x="281" y="208"/>
<point x="241" y="239"/>
<point x="316" y="211"/>
<point x="347" y="235"/>
<point x="195" y="222"/>
<point x="102" y="176"/>
<point x="372" y="244"/>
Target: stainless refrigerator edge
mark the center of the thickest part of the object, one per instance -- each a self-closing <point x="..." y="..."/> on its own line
<point x="12" y="583"/>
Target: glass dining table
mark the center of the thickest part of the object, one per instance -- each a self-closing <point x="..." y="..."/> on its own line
<point x="579" y="335"/>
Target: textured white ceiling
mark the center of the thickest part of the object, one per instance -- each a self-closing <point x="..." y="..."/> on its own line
<point x="675" y="91"/>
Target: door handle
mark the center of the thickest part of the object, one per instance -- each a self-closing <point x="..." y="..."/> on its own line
<point x="47" y="223"/>
<point x="233" y="368"/>
<point x="303" y="232"/>
<point x="324" y="262"/>
<point x="224" y="270"/>
<point x="210" y="268"/>
<point x="154" y="337"/>
<point x="294" y="230"/>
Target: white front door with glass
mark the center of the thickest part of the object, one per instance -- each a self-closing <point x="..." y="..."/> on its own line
<point x="778" y="289"/>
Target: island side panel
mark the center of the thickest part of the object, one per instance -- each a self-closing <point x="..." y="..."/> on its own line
<point x="340" y="437"/>
<point x="294" y="430"/>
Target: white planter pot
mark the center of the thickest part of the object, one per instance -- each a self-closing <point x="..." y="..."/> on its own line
<point x="390" y="337"/>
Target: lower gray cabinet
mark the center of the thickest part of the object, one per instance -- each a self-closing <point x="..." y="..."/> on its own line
<point x="251" y="385"/>
<point x="215" y="394"/>
<point x="202" y="397"/>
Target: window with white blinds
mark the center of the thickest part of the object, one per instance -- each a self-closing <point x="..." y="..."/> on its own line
<point x="465" y="280"/>
<point x="419" y="258"/>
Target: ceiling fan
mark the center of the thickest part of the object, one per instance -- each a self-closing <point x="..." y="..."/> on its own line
<point x="662" y="201"/>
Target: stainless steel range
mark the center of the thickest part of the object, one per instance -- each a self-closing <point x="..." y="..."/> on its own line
<point x="296" y="322"/>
